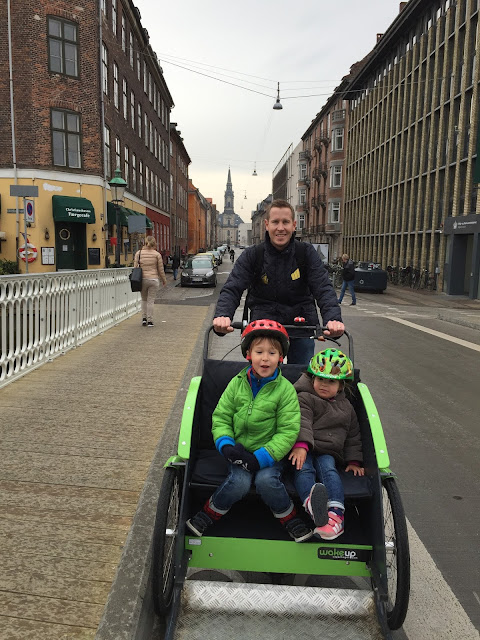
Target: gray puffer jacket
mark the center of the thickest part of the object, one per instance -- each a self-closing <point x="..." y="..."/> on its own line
<point x="328" y="426"/>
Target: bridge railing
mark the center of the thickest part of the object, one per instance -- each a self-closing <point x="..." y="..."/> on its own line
<point x="44" y="315"/>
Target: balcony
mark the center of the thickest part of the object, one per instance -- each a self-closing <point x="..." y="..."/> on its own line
<point x="301" y="206"/>
<point x="303" y="182"/>
<point x="320" y="171"/>
<point x="324" y="139"/>
<point x="315" y="203"/>
<point x="333" y="227"/>
<point x="317" y="144"/>
<point x="322" y="199"/>
<point x="303" y="155"/>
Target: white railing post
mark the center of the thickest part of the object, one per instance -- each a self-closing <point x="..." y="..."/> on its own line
<point x="44" y="315"/>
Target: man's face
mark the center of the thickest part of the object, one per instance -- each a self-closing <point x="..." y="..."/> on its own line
<point x="280" y="226"/>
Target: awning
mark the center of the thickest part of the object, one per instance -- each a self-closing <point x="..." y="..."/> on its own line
<point x="124" y="213"/>
<point x="67" y="209"/>
<point x="112" y="214"/>
<point x="148" y="222"/>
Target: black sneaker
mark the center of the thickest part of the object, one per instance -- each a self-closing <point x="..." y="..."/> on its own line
<point x="144" y="322"/>
<point x="297" y="530"/>
<point x="317" y="504"/>
<point x="149" y="323"/>
<point x="199" y="523"/>
<point x="352" y="304"/>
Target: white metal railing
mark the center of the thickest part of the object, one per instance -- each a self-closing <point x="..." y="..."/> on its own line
<point x="46" y="314"/>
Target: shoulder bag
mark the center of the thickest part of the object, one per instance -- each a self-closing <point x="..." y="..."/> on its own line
<point x="136" y="276"/>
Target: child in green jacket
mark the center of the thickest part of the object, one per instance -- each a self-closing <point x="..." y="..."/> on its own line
<point x="255" y="424"/>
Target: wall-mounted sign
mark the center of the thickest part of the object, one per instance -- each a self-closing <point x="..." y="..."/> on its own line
<point x="48" y="255"/>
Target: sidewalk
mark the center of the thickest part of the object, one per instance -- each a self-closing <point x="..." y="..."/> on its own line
<point x="455" y="309"/>
<point x="78" y="436"/>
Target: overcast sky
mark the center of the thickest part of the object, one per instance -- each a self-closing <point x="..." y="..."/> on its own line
<point x="306" y="45"/>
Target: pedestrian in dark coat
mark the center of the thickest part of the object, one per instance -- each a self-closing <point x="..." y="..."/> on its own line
<point x="175" y="265"/>
<point x="348" y="275"/>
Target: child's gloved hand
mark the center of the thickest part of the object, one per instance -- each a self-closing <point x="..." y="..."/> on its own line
<point x="239" y="455"/>
<point x="227" y="450"/>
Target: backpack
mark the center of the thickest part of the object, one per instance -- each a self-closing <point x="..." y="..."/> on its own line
<point x="300" y="250"/>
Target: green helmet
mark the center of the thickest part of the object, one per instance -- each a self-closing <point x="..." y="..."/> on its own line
<point x="332" y="364"/>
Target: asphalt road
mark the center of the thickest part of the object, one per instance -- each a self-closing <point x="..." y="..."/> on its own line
<point x="427" y="391"/>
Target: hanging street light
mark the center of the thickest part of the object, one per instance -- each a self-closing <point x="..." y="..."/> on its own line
<point x="117" y="187"/>
<point x="255" y="169"/>
<point x="278" y="104"/>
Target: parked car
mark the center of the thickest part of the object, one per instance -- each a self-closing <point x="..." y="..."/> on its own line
<point x="199" y="270"/>
<point x="217" y="255"/>
<point x="369" y="276"/>
<point x="241" y="246"/>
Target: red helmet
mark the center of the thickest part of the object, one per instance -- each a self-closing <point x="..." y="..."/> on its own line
<point x="264" y="329"/>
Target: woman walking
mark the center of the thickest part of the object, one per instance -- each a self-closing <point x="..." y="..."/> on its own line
<point x="151" y="263"/>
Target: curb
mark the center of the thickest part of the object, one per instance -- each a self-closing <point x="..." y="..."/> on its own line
<point x="458" y="319"/>
<point x="128" y="612"/>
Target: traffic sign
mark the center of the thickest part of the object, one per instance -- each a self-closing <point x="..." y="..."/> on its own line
<point x="23" y="191"/>
<point x="29" y="210"/>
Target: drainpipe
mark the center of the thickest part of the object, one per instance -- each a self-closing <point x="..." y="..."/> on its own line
<point x="12" y="121"/>
<point x="102" y="125"/>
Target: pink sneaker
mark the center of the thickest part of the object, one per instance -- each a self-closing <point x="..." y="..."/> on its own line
<point x="332" y="529"/>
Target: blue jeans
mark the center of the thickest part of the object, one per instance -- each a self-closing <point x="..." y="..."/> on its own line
<point x="320" y="469"/>
<point x="175" y="273"/>
<point x="268" y="484"/>
<point x="351" y="287"/>
<point x="300" y="351"/>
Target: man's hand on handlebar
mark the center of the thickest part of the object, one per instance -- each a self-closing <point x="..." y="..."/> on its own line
<point x="334" y="329"/>
<point x="222" y="324"/>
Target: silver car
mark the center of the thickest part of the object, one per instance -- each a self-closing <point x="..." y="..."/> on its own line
<point x="199" y="271"/>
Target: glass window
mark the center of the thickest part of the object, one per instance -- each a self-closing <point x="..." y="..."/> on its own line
<point x="335" y="177"/>
<point x="105" y="69"/>
<point x="126" y="169"/>
<point x="140" y="178"/>
<point x="302" y="196"/>
<point x="108" y="165"/>
<point x="131" y="48"/>
<point x="66" y="140"/>
<point x="139" y="119"/>
<point x="114" y="16"/>
<point x="62" y="47"/>
<point x="337" y="139"/>
<point x="132" y="109"/>
<point x="334" y="212"/>
<point x="145" y="121"/>
<point x="115" y="85"/>
<point x="301" y="221"/>
<point x="134" y="172"/>
<point x="118" y="158"/>
<point x="125" y="99"/>
<point x="303" y="171"/>
<point x="124" y="34"/>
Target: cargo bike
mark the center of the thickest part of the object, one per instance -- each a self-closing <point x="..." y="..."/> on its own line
<point x="268" y="576"/>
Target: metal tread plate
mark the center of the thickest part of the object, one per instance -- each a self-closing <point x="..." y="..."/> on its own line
<point x="227" y="610"/>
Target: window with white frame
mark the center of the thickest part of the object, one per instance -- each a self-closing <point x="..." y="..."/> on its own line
<point x="105" y="69"/>
<point x="124" y="34"/>
<point x="126" y="166"/>
<point x="145" y="124"/>
<point x="134" y="172"/>
<point x="302" y="170"/>
<point x="140" y="178"/>
<point x="337" y="139"/>
<point x="117" y="153"/>
<point x="139" y="119"/>
<point x="334" y="211"/>
<point x="132" y="109"/>
<point x="125" y="99"/>
<point x="335" y="177"/>
<point x="302" y="196"/>
<point x="131" y="48"/>
<point x="108" y="165"/>
<point x="115" y="85"/>
<point x="114" y="16"/>
<point x="301" y="221"/>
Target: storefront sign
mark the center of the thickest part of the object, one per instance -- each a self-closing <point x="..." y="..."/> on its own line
<point x="462" y="224"/>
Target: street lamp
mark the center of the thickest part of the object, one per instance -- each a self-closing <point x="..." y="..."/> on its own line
<point x="117" y="187"/>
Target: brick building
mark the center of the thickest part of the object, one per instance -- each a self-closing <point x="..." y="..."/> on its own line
<point x="179" y="161"/>
<point x="89" y="96"/>
<point x="197" y="220"/>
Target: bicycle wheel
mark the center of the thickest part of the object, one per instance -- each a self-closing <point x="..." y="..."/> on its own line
<point x="165" y="537"/>
<point x="397" y="554"/>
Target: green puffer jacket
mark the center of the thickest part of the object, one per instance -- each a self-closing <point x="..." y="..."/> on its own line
<point x="271" y="420"/>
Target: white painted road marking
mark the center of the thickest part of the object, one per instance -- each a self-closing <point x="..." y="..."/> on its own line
<point x="434" y="611"/>
<point x="438" y="334"/>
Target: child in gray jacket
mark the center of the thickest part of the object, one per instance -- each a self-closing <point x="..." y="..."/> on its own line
<point x="329" y="436"/>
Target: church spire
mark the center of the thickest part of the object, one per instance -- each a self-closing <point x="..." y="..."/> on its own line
<point x="229" y="195"/>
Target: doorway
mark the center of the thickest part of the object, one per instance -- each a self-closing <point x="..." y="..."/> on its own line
<point x="462" y="267"/>
<point x="71" y="245"/>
